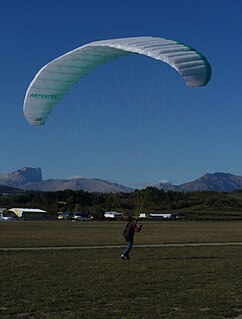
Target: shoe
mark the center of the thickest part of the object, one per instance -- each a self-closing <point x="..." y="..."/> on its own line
<point x="128" y="257"/>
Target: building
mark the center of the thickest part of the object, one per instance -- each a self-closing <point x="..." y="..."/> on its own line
<point x="159" y="215"/>
<point x="28" y="213"/>
<point x="156" y="215"/>
<point x="113" y="215"/>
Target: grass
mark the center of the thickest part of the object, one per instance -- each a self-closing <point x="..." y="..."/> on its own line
<point x="58" y="233"/>
<point x="169" y="282"/>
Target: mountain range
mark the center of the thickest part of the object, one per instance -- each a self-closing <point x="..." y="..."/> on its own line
<point x="29" y="178"/>
<point x="217" y="182"/>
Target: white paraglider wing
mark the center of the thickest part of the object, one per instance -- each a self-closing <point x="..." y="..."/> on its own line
<point x="56" y="77"/>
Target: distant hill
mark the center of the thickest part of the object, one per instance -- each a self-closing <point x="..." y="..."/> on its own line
<point x="21" y="177"/>
<point x="31" y="179"/>
<point x="85" y="184"/>
<point x="218" y="182"/>
<point x="9" y="190"/>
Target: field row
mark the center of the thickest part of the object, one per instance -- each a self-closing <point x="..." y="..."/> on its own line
<point x="54" y="233"/>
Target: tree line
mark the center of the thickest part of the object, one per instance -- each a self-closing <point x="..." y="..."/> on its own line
<point x="138" y="201"/>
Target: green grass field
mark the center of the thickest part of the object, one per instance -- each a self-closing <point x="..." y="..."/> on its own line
<point x="162" y="282"/>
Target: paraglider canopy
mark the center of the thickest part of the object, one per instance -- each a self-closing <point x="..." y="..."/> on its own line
<point x="57" y="77"/>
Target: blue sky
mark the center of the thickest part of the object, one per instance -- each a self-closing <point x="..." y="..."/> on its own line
<point x="131" y="121"/>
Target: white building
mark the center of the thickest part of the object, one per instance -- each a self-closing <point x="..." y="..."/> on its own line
<point x="155" y="215"/>
<point x="160" y="215"/>
<point x="113" y="215"/>
<point x="29" y="213"/>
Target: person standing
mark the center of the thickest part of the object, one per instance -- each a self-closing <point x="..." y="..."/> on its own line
<point x="128" y="233"/>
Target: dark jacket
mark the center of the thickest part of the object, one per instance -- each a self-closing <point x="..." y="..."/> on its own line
<point x="128" y="232"/>
<point x="130" y="228"/>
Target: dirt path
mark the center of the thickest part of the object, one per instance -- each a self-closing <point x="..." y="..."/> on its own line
<point x="118" y="246"/>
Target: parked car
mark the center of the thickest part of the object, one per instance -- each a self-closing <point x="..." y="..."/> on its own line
<point x="63" y="216"/>
<point x="78" y="217"/>
<point x="6" y="218"/>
